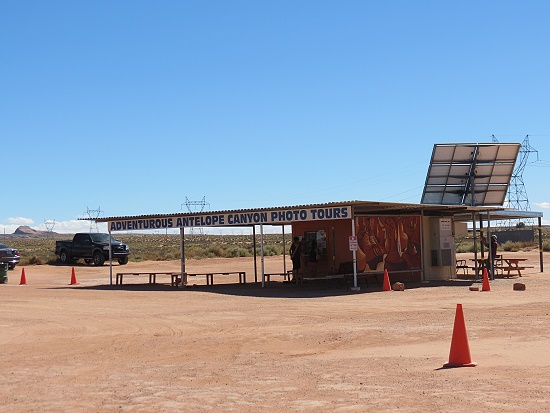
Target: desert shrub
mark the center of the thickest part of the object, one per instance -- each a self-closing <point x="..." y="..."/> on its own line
<point x="510" y="246"/>
<point x="194" y="251"/>
<point x="507" y="246"/>
<point x="158" y="247"/>
<point x="523" y="246"/>
<point x="200" y="252"/>
<point x="233" y="252"/>
<point x="465" y="247"/>
<point x="33" y="260"/>
<point x="270" y="250"/>
<point x="214" y="251"/>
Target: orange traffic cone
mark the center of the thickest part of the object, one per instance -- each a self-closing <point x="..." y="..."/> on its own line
<point x="386" y="286"/>
<point x="73" y="278"/>
<point x="23" y="277"/>
<point x="485" y="286"/>
<point x="459" y="355"/>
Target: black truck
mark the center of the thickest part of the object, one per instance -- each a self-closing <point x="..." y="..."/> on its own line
<point x="91" y="247"/>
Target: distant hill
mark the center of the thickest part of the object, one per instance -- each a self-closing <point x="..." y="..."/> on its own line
<point x="26" y="231"/>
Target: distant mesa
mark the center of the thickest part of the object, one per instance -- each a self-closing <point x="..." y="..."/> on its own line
<point x="26" y="231"/>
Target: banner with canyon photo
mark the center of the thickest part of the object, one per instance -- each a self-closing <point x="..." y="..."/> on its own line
<point x="388" y="242"/>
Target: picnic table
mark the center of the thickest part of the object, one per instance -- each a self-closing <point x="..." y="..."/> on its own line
<point x="504" y="264"/>
<point x="512" y="264"/>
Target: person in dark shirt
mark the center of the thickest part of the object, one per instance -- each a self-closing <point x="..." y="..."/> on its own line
<point x="313" y="257"/>
<point x="296" y="257"/>
<point x="493" y="251"/>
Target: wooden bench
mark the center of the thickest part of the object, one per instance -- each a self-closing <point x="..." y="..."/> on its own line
<point x="462" y="265"/>
<point x="508" y="269"/>
<point x="152" y="275"/>
<point x="511" y="268"/>
<point x="345" y="274"/>
<point x="337" y="278"/>
<point x="346" y="268"/>
<point x="176" y="278"/>
<point x="286" y="275"/>
<point x="369" y="274"/>
<point x="364" y="276"/>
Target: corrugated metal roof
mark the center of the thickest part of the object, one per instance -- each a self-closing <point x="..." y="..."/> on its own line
<point x="360" y="207"/>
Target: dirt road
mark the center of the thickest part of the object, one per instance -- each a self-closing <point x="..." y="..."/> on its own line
<point x="93" y="347"/>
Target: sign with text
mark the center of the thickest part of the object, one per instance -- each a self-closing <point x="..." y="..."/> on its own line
<point x="283" y="217"/>
<point x="353" y="243"/>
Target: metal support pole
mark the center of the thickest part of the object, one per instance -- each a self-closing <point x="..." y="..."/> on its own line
<point x="481" y="236"/>
<point x="333" y="244"/>
<point x="255" y="252"/>
<point x="262" y="253"/>
<point x="110" y="259"/>
<point x="355" y="287"/>
<point x="474" y="229"/>
<point x="490" y="246"/>
<point x="540" y="245"/>
<point x="182" y="257"/>
<point x="284" y="251"/>
<point x="422" y="242"/>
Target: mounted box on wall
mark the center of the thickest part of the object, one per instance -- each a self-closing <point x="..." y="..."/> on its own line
<point x="441" y="242"/>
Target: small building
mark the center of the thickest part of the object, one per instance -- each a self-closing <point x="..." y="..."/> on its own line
<point x="413" y="242"/>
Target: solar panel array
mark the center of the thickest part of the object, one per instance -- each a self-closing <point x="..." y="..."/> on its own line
<point x="473" y="174"/>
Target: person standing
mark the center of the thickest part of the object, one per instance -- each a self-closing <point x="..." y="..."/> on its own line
<point x="296" y="257"/>
<point x="313" y="257"/>
<point x="493" y="247"/>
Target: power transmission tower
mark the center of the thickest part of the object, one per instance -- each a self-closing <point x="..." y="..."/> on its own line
<point x="517" y="194"/>
<point x="194" y="207"/>
<point x="49" y="226"/>
<point x="92" y="215"/>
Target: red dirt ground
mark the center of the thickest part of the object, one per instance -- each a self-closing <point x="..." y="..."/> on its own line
<point x="93" y="347"/>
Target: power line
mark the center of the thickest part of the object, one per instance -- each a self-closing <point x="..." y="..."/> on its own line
<point x="195" y="207"/>
<point x="517" y="193"/>
<point x="49" y="225"/>
<point x="93" y="214"/>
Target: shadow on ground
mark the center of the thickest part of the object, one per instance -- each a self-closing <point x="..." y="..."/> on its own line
<point x="275" y="289"/>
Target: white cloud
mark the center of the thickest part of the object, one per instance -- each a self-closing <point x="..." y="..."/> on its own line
<point x="75" y="225"/>
<point x="543" y="205"/>
<point x="20" y="221"/>
<point x="72" y="226"/>
<point x="62" y="227"/>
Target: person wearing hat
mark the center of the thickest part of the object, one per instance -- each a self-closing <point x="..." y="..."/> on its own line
<point x="494" y="248"/>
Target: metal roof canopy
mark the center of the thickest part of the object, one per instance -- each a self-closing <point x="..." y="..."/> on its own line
<point x="473" y="174"/>
<point x="359" y="208"/>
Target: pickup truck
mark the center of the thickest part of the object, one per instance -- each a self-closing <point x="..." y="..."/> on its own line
<point x="91" y="247"/>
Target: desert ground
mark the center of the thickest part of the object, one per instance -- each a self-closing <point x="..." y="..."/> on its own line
<point x="96" y="347"/>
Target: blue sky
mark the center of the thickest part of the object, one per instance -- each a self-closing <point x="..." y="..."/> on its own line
<point x="133" y="106"/>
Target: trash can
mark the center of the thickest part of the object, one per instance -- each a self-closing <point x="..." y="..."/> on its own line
<point x="3" y="273"/>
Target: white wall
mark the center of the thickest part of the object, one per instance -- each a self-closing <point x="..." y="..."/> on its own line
<point x="434" y="272"/>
